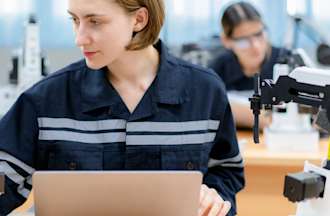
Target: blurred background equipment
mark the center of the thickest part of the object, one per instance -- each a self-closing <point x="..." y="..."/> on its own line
<point x="308" y="27"/>
<point x="28" y="67"/>
<point x="195" y="54"/>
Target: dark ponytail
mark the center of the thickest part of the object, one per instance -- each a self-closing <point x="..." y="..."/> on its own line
<point x="237" y="13"/>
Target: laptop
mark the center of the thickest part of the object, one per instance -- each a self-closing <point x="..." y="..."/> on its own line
<point x="122" y="193"/>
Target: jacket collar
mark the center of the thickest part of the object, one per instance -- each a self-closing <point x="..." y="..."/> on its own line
<point x="169" y="86"/>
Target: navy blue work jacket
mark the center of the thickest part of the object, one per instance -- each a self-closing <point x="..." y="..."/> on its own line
<point x="227" y="66"/>
<point x="75" y="120"/>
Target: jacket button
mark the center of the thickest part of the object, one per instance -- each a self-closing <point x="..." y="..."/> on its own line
<point x="190" y="166"/>
<point x="72" y="166"/>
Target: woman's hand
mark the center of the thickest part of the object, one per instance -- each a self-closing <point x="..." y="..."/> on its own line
<point x="211" y="204"/>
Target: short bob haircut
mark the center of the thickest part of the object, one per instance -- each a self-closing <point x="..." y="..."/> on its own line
<point x="150" y="34"/>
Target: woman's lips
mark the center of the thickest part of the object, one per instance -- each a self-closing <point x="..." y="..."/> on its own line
<point x="89" y="54"/>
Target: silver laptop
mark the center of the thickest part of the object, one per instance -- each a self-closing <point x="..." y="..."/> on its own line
<point x="123" y="193"/>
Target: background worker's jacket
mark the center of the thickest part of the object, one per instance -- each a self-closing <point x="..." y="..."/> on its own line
<point x="228" y="67"/>
<point x="75" y="120"/>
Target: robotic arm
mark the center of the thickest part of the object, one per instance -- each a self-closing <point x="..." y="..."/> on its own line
<point x="308" y="87"/>
<point x="303" y="86"/>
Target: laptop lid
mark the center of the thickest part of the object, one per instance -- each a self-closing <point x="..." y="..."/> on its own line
<point x="127" y="193"/>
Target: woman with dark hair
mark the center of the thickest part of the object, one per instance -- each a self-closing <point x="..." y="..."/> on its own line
<point x="248" y="52"/>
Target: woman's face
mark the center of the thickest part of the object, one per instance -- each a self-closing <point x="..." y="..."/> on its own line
<point x="102" y="30"/>
<point x="249" y="43"/>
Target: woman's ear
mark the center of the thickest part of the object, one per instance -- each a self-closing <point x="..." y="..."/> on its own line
<point x="141" y="19"/>
<point x="225" y="41"/>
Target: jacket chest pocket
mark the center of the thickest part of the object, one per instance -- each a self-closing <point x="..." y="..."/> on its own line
<point x="184" y="157"/>
<point x="64" y="155"/>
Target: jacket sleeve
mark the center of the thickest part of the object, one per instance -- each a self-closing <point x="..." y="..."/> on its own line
<point x="19" y="134"/>
<point x="225" y="168"/>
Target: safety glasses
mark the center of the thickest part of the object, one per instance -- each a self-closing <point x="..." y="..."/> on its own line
<point x="246" y="41"/>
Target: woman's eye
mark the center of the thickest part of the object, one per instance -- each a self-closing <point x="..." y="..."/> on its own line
<point x="94" y="22"/>
<point x="74" y="20"/>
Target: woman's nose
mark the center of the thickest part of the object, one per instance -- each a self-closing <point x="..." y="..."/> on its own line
<point x="82" y="37"/>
